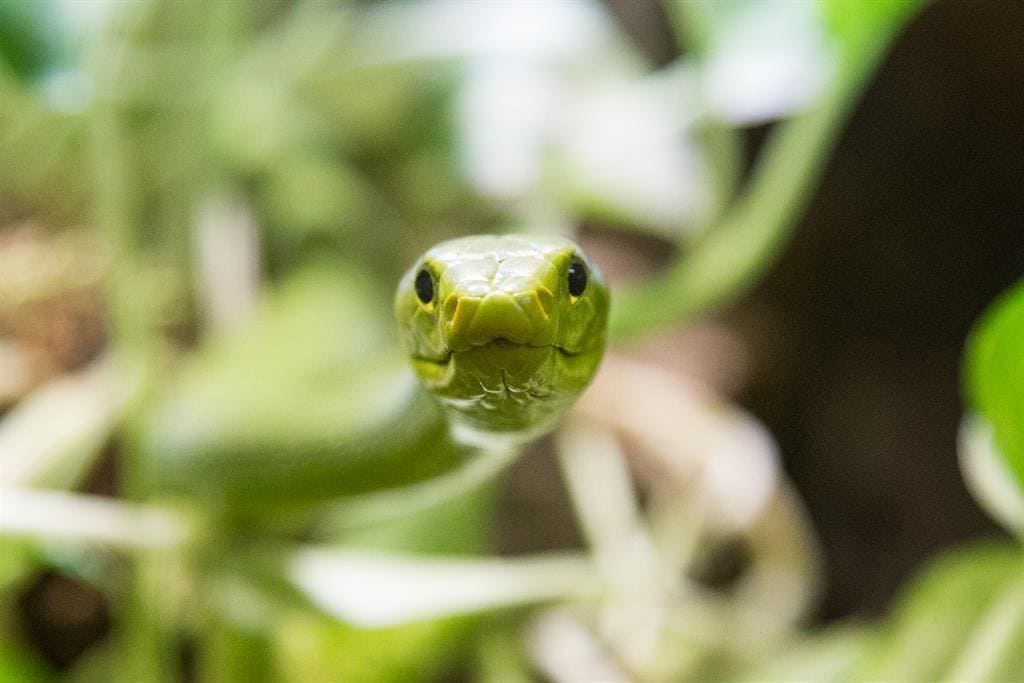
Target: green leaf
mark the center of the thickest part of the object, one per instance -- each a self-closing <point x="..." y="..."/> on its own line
<point x="460" y="524"/>
<point x="859" y="26"/>
<point x="376" y="589"/>
<point x="317" y="649"/>
<point x="51" y="438"/>
<point x="988" y="476"/>
<point x="16" y="561"/>
<point x="826" y="657"/>
<point x="995" y="376"/>
<point x="962" y="619"/>
<point x="307" y="645"/>
<point x="30" y="39"/>
<point x="20" y="667"/>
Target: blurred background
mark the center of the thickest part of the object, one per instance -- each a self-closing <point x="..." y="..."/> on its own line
<point x="803" y="209"/>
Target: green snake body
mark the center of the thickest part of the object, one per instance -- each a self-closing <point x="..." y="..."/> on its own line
<point x="502" y="347"/>
<point x="508" y="332"/>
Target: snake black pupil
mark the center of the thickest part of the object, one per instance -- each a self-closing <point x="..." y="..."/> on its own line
<point x="424" y="287"/>
<point x="577" y="278"/>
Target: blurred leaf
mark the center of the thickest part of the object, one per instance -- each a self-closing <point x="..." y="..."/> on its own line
<point x="236" y="654"/>
<point x="988" y="476"/>
<point x="501" y="655"/>
<point x="311" y="401"/>
<point x="624" y="151"/>
<point x="751" y="232"/>
<point x="312" y="649"/>
<point x="42" y="156"/>
<point x="460" y="524"/>
<point x="313" y="645"/>
<point x="995" y="376"/>
<point x="16" y="560"/>
<point x="758" y="60"/>
<point x="52" y="437"/>
<point x="961" y="620"/>
<point x="83" y="518"/>
<point x="826" y="657"/>
<point x="859" y="25"/>
<point x="373" y="589"/>
<point x="314" y="199"/>
<point x="17" y="666"/>
<point x="30" y="38"/>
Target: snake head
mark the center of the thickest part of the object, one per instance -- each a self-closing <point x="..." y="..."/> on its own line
<point x="505" y="330"/>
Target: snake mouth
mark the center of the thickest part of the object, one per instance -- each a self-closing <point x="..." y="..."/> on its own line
<point x="496" y="343"/>
<point x="502" y="342"/>
<point x="501" y="367"/>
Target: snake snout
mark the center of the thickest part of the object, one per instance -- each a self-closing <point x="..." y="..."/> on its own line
<point x="521" y="318"/>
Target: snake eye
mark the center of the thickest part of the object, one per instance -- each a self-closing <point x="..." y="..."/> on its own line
<point x="577" y="277"/>
<point x="424" y="286"/>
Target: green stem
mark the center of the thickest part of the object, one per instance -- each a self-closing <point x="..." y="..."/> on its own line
<point x="743" y="244"/>
<point x="754" y="230"/>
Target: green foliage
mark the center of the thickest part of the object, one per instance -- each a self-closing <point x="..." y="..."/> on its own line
<point x="18" y="667"/>
<point x="860" y="26"/>
<point x="339" y="149"/>
<point x="30" y="41"/>
<point x="826" y="657"/>
<point x="42" y="156"/>
<point x="318" y="649"/>
<point x="962" y="619"/>
<point x="283" y="638"/>
<point x="753" y="226"/>
<point x="995" y="376"/>
<point x="451" y="527"/>
<point x="16" y="561"/>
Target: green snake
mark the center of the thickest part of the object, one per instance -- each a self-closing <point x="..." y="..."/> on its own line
<point x="312" y="401"/>
<point x="505" y="331"/>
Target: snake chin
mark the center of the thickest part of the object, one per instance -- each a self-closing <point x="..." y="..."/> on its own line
<point x="504" y="386"/>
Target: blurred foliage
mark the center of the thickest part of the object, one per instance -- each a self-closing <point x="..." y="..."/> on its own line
<point x="257" y="175"/>
<point x="995" y="376"/>
<point x="961" y="620"/>
<point x="31" y="40"/>
<point x="19" y="667"/>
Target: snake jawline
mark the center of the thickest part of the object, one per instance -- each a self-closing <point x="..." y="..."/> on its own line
<point x="508" y="388"/>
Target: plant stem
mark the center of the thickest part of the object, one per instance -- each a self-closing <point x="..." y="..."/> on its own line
<point x="753" y="231"/>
